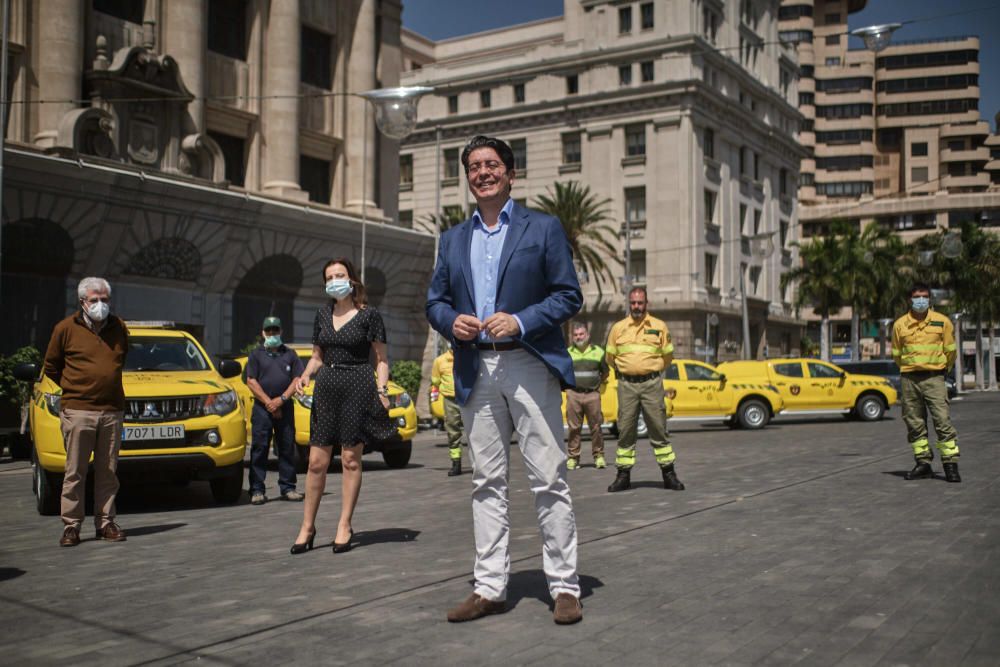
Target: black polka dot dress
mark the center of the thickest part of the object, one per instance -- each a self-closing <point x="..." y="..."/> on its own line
<point x="346" y="407"/>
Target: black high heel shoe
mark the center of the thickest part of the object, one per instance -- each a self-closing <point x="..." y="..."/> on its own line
<point x="304" y="546"/>
<point x="339" y="548"/>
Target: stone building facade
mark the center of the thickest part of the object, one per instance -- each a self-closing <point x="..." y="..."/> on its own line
<point x="681" y="113"/>
<point x="207" y="157"/>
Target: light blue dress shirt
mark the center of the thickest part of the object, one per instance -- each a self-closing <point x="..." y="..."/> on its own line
<point x="484" y="255"/>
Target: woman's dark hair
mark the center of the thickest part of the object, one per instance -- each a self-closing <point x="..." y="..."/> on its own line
<point x="919" y="287"/>
<point x="360" y="296"/>
<point x="500" y="146"/>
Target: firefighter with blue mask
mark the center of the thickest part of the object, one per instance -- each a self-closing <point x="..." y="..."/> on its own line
<point x="923" y="345"/>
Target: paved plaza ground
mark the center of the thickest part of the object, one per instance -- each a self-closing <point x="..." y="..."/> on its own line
<point x="800" y="543"/>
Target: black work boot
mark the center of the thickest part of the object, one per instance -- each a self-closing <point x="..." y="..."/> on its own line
<point x="920" y="471"/>
<point x="456" y="468"/>
<point x="670" y="480"/>
<point x="623" y="481"/>
<point x="951" y="472"/>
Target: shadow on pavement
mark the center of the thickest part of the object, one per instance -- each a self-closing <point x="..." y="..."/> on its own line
<point x="532" y="584"/>
<point x="384" y="535"/>
<point x="152" y="530"/>
<point x="10" y="573"/>
<point x="902" y="473"/>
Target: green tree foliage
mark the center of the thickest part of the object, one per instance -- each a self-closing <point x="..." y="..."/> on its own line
<point x="452" y="216"/>
<point x="584" y="219"/>
<point x="818" y="283"/>
<point x="407" y="375"/>
<point x="12" y="390"/>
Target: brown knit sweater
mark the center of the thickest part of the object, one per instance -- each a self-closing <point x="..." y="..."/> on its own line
<point x="87" y="364"/>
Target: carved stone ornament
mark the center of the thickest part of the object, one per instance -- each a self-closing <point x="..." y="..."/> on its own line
<point x="143" y="146"/>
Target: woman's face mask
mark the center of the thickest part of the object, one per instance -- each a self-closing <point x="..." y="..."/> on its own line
<point x="338" y="288"/>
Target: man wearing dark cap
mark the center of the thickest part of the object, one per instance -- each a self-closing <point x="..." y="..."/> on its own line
<point x="272" y="370"/>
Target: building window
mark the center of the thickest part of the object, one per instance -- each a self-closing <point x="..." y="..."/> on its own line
<point x="406" y="170"/>
<point x="744" y="162"/>
<point x="783" y="233"/>
<point x="918" y="175"/>
<point x="624" y="75"/>
<point x="785" y="81"/>
<point x="572" y="84"/>
<point x="316" y="51"/>
<point x="832" y="61"/>
<point x="635" y="140"/>
<point x="709" y="24"/>
<point x="844" y="162"/>
<point x="835" y="137"/>
<point x="571" y="148"/>
<point x="406" y="219"/>
<point x="832" y="40"/>
<point x="234" y="153"/>
<point x="795" y="36"/>
<point x="451" y="163"/>
<point x="956" y="145"/>
<point x="126" y="10"/>
<point x="710" y="262"/>
<point x="635" y="206"/>
<point x="756" y="166"/>
<point x="807" y="98"/>
<point x="227" y="28"/>
<point x="518" y="93"/>
<point x="624" y="20"/>
<point x="756" y="221"/>
<point x="743" y="219"/>
<point x="928" y="107"/>
<point x="708" y="143"/>
<point x="783" y="182"/>
<point x="844" y="110"/>
<point x="646" y="71"/>
<point x="748" y="13"/>
<point x="755" y="272"/>
<point x="485" y="98"/>
<point x="453" y="104"/>
<point x="792" y="12"/>
<point x="928" y="59"/>
<point x="520" y="148"/>
<point x="314" y="178"/>
<point x="845" y="189"/>
<point x="710" y="197"/>
<point x="952" y="82"/>
<point x="646" y="11"/>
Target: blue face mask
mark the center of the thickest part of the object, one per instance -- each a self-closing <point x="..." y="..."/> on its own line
<point x="272" y="341"/>
<point x="339" y="288"/>
<point x="920" y="304"/>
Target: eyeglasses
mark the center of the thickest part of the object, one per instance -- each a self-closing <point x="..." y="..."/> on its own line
<point x="491" y="166"/>
<point x="95" y="299"/>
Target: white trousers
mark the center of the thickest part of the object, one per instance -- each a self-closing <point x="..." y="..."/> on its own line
<point x="516" y="391"/>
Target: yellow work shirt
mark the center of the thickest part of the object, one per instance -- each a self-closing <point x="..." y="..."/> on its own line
<point x="639" y="347"/>
<point x="923" y="345"/>
<point x="442" y="374"/>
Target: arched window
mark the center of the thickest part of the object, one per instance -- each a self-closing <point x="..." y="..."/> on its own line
<point x="268" y="288"/>
<point x="170" y="258"/>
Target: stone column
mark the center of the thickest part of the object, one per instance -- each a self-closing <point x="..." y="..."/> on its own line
<point x="361" y="78"/>
<point x="281" y="115"/>
<point x="185" y="37"/>
<point x="60" y="64"/>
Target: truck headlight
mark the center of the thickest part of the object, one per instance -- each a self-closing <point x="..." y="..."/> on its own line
<point x="53" y="402"/>
<point x="402" y="400"/>
<point x="306" y="401"/>
<point x="220" y="404"/>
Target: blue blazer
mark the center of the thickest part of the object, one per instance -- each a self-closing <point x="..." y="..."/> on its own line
<point x="536" y="281"/>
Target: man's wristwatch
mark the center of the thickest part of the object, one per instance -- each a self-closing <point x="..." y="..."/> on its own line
<point x="283" y="398"/>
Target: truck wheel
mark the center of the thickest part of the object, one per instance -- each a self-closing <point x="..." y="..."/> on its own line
<point x="398" y="455"/>
<point x="753" y="414"/>
<point x="228" y="488"/>
<point x="47" y="487"/>
<point x="869" y="408"/>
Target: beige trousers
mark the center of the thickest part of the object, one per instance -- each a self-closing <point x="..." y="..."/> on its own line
<point x="87" y="432"/>
<point x="578" y="406"/>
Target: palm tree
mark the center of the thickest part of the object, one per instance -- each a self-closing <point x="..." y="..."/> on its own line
<point x="451" y="216"/>
<point x="583" y="218"/>
<point x="886" y="282"/>
<point x="819" y="284"/>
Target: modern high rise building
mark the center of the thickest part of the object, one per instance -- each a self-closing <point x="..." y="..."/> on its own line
<point x="895" y="138"/>
<point x="681" y="114"/>
<point x="207" y="157"/>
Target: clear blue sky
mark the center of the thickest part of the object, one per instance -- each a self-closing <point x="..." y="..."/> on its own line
<point x="439" y="19"/>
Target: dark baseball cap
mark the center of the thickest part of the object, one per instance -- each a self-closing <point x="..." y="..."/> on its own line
<point x="270" y="322"/>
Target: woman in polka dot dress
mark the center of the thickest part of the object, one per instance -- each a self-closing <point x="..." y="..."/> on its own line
<point x="349" y="408"/>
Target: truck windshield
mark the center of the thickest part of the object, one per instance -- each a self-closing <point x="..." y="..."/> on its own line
<point x="164" y="354"/>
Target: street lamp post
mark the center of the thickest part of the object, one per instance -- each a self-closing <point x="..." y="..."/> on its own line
<point x="958" y="351"/>
<point x="395" y="117"/>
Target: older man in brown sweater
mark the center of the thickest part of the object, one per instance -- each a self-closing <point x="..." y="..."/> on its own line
<point x="85" y="357"/>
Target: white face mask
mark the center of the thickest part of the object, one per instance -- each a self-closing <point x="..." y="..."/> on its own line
<point x="339" y="288"/>
<point x="98" y="311"/>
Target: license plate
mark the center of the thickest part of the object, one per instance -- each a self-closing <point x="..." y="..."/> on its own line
<point x="154" y="432"/>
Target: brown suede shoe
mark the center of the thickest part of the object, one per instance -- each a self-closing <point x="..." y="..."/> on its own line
<point x="70" y="537"/>
<point x="568" y="609"/>
<point x="475" y="606"/>
<point x="111" y="533"/>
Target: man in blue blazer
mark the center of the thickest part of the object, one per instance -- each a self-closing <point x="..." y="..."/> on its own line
<point x="503" y="285"/>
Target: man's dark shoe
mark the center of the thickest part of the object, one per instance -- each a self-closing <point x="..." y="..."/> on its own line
<point x="293" y="496"/>
<point x="623" y="481"/>
<point x="670" y="480"/>
<point x="257" y="498"/>
<point x="951" y="473"/>
<point x="70" y="537"/>
<point x="111" y="533"/>
<point x="473" y="607"/>
<point x="568" y="609"/>
<point x="920" y="471"/>
<point x="456" y="469"/>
